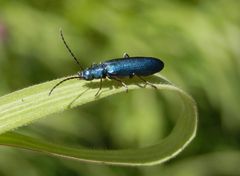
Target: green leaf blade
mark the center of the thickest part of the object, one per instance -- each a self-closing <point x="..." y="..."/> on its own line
<point x="27" y="105"/>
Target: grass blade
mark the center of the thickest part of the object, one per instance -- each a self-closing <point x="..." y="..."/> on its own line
<point x="25" y="106"/>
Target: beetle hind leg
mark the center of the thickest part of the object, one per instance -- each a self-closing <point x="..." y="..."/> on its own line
<point x="146" y="82"/>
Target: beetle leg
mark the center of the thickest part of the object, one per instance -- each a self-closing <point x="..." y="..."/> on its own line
<point x="125" y="55"/>
<point x="123" y="84"/>
<point x="100" y="87"/>
<point x="146" y="82"/>
<point x="132" y="75"/>
<point x="93" y="65"/>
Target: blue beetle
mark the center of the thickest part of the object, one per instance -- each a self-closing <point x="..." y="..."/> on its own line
<point x="116" y="69"/>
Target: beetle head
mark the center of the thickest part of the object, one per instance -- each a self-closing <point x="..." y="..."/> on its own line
<point x="85" y="74"/>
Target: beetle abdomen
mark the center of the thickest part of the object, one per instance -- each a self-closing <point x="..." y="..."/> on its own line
<point x="141" y="66"/>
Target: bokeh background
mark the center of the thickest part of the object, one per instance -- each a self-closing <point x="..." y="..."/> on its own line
<point x="199" y="41"/>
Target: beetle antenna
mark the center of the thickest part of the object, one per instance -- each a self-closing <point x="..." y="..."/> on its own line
<point x="66" y="79"/>
<point x="70" y="51"/>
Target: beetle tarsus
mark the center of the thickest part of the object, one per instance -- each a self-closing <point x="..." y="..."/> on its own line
<point x="146" y="82"/>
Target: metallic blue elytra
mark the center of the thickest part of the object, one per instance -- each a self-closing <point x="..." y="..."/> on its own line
<point x="117" y="68"/>
<point x="131" y="66"/>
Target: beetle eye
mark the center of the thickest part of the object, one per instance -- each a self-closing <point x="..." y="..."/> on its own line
<point x="87" y="73"/>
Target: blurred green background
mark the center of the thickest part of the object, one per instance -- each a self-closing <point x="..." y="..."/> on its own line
<point x="198" y="40"/>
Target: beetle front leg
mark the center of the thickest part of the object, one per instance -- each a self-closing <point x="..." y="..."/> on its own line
<point x="100" y="87"/>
